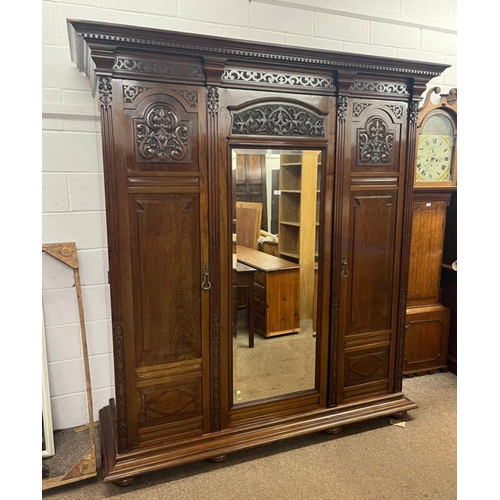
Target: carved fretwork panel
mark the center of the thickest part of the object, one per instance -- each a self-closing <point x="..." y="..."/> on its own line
<point x="375" y="142"/>
<point x="169" y="69"/>
<point x="162" y="127"/>
<point x="161" y="135"/>
<point x="379" y="87"/>
<point x="376" y="134"/>
<point x="277" y="119"/>
<point x="278" y="79"/>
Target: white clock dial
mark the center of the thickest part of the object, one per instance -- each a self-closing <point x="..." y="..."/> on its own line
<point x="434" y="158"/>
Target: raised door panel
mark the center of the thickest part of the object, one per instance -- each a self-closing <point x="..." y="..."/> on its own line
<point x="373" y="231"/>
<point x="161" y="183"/>
<point x="369" y="315"/>
<point x="166" y="264"/>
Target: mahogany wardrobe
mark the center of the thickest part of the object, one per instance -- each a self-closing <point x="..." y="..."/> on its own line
<point x="258" y="208"/>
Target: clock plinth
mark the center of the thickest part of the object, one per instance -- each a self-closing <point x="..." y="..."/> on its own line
<point x="426" y="340"/>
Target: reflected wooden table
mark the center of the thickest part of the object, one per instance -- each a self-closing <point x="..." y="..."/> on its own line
<point x="276" y="292"/>
<point x="245" y="279"/>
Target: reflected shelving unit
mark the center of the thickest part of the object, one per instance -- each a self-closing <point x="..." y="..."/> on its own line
<point x="299" y="219"/>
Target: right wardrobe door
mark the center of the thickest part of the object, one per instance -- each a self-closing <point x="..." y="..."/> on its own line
<point x="366" y="307"/>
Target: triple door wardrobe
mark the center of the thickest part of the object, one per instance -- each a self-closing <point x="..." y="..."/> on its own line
<point x="179" y="113"/>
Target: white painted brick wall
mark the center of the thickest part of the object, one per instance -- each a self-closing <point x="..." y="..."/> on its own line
<point x="287" y="20"/>
<point x="73" y="207"/>
<point x="336" y="27"/>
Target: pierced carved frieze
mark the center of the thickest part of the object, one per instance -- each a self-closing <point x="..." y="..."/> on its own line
<point x="278" y="78"/>
<point x="379" y="87"/>
<point x="161" y="135"/>
<point x="277" y="120"/>
<point x="181" y="70"/>
<point x="375" y="143"/>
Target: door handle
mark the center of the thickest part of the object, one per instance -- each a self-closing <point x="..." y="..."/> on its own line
<point x="344" y="269"/>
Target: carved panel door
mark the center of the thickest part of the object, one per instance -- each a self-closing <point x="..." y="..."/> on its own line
<point x="157" y="221"/>
<point x="369" y="249"/>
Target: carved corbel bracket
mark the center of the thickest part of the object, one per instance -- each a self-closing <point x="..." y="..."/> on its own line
<point x="214" y="67"/>
<point x="345" y="80"/>
<point x="103" y="59"/>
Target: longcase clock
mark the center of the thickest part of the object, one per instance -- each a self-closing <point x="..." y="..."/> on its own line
<point x="427" y="319"/>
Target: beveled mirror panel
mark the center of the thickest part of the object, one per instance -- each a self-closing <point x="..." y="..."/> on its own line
<point x="276" y="207"/>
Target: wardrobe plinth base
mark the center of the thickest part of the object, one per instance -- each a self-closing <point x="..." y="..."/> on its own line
<point x="130" y="464"/>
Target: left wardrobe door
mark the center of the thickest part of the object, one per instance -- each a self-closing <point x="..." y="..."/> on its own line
<point x="157" y="206"/>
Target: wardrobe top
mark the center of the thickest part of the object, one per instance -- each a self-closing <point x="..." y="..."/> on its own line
<point x="87" y="37"/>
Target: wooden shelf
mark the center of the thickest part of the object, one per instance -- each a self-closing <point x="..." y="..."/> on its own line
<point x="299" y="216"/>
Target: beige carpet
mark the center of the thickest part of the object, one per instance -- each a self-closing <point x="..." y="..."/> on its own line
<point x="275" y="365"/>
<point x="374" y="460"/>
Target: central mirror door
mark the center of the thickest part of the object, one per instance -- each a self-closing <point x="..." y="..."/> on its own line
<point x="276" y="232"/>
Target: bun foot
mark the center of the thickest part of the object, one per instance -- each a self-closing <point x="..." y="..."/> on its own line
<point x="125" y="482"/>
<point x="399" y="414"/>
<point x="333" y="431"/>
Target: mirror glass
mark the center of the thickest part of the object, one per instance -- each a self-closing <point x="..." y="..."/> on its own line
<point x="276" y="207"/>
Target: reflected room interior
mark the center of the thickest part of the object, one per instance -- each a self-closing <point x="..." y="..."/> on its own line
<point x="276" y="228"/>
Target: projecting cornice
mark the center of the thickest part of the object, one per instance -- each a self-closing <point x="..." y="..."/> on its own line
<point x="94" y="45"/>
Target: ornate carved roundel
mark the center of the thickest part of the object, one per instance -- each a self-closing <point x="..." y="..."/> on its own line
<point x="161" y="135"/>
<point x="375" y="142"/>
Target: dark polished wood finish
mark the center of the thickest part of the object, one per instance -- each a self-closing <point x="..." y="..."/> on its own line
<point x="172" y="107"/>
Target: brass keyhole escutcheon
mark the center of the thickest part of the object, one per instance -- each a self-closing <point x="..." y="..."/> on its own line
<point x="205" y="284"/>
<point x="344" y="271"/>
